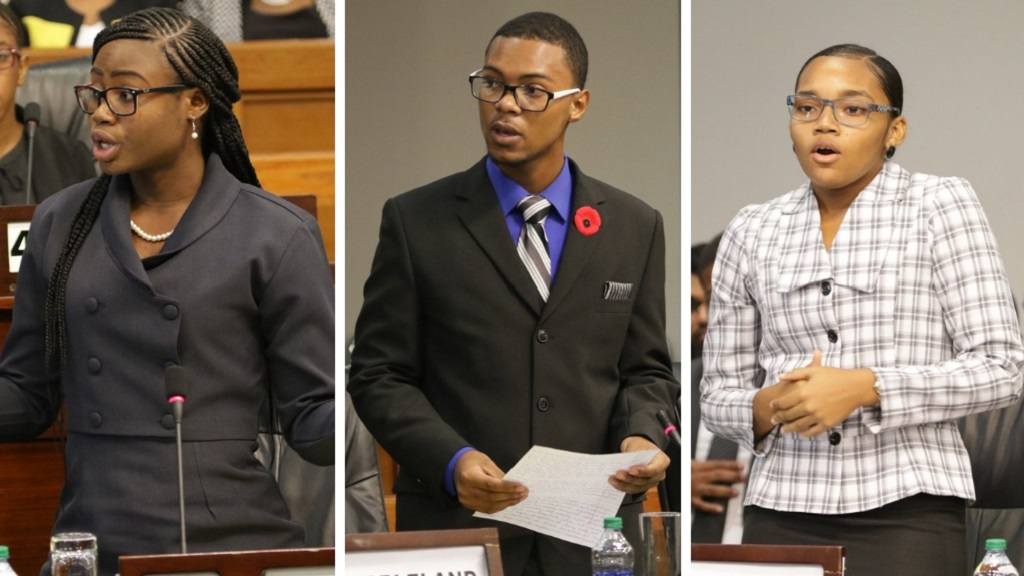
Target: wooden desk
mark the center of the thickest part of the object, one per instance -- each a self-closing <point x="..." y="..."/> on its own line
<point x="830" y="558"/>
<point x="245" y="563"/>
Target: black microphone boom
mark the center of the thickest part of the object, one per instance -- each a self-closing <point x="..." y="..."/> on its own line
<point x="670" y="428"/>
<point x="32" y="113"/>
<point x="176" y="386"/>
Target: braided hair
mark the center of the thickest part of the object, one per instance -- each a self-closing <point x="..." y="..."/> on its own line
<point x="201" y="60"/>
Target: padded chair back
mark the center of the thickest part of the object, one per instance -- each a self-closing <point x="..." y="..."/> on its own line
<point x="51" y="85"/>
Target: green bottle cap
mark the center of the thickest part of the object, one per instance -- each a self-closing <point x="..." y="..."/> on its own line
<point x="995" y="544"/>
<point x="615" y="523"/>
<point x="4" y="553"/>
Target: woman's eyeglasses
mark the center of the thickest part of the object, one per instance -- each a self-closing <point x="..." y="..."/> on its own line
<point x="121" y="101"/>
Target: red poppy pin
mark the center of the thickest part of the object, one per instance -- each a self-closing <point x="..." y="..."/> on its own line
<point x="588" y="221"/>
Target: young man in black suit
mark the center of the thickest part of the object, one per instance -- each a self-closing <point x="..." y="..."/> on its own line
<point x="481" y="336"/>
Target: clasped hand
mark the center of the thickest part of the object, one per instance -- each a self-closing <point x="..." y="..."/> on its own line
<point x="812" y="399"/>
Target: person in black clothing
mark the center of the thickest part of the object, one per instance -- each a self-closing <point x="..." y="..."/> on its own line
<point x="58" y="161"/>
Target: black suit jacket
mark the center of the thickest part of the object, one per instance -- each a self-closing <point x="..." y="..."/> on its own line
<point x="454" y="347"/>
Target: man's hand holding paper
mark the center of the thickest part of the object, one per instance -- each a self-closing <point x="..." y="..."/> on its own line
<point x="640" y="478"/>
<point x="572" y="493"/>
<point x="479" y="484"/>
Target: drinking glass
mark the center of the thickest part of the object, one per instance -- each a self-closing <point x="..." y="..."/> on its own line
<point x="661" y="542"/>
<point x="73" y="554"/>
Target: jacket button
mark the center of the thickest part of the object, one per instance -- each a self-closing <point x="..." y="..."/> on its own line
<point x="95" y="419"/>
<point x="95" y="365"/>
<point x="167" y="421"/>
<point x="835" y="438"/>
<point x="170" y="311"/>
<point x="833" y="337"/>
<point x="542" y="336"/>
<point x="92" y="305"/>
<point x="826" y="288"/>
<point x="543" y="404"/>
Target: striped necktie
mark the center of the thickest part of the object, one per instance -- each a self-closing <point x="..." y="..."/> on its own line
<point x="533" y="241"/>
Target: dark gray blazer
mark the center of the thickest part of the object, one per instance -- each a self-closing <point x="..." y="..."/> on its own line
<point x="454" y="346"/>
<point x="241" y="296"/>
<point x="58" y="161"/>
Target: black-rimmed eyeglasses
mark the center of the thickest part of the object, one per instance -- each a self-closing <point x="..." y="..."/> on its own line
<point x="529" y="98"/>
<point x="853" y="113"/>
<point x="9" y="57"/>
<point x="121" y="100"/>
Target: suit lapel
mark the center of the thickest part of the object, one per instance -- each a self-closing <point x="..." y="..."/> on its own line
<point x="578" y="248"/>
<point x="482" y="217"/>
<point x="216" y="194"/>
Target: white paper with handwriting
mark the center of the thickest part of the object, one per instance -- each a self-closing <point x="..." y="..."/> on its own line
<point x="569" y="492"/>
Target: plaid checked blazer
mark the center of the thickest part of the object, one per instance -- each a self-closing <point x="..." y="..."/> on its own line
<point x="912" y="288"/>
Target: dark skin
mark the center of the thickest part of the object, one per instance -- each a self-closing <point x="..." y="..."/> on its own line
<point x="165" y="172"/>
<point x="528" y="148"/>
<point x="10" y="78"/>
<point x="712" y="479"/>
<point x="812" y="399"/>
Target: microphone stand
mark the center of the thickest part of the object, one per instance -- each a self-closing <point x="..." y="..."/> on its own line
<point x="31" y="120"/>
<point x="181" y="478"/>
<point x="176" y="385"/>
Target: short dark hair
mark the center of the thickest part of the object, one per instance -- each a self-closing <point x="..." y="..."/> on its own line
<point x="8" y="17"/>
<point x="888" y="76"/>
<point x="695" y="251"/>
<point x="552" y="29"/>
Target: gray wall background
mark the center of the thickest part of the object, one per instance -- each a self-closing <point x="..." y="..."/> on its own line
<point x="409" y="117"/>
<point x="963" y="73"/>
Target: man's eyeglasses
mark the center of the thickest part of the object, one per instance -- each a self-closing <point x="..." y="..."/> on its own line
<point x="529" y="98"/>
<point x="8" y="57"/>
<point x="121" y="101"/>
<point x="803" y="108"/>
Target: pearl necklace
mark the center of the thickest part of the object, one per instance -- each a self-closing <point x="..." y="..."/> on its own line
<point x="149" y="237"/>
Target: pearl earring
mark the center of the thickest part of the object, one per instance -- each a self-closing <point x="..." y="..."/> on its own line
<point x="195" y="135"/>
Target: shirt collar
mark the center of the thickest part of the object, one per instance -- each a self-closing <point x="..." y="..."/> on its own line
<point x="559" y="193"/>
<point x="887" y="186"/>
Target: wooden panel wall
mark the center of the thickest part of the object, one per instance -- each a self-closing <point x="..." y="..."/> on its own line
<point x="287" y="118"/>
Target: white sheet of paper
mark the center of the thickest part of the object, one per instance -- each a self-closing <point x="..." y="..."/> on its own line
<point x="569" y="492"/>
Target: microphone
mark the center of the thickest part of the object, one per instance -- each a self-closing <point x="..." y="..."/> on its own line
<point x="670" y="428"/>
<point x="32" y="113"/>
<point x="176" y="385"/>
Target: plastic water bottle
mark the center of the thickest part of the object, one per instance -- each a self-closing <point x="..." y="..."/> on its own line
<point x="995" y="562"/>
<point x="613" y="556"/>
<point x="5" y="562"/>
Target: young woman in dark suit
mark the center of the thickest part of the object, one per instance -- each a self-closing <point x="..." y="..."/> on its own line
<point x="173" y="258"/>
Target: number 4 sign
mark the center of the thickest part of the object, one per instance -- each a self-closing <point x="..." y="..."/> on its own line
<point x="17" y="240"/>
